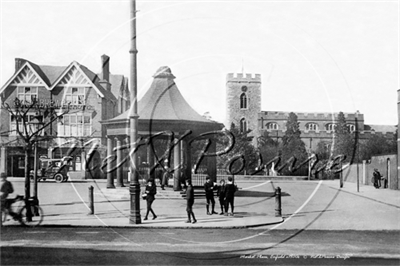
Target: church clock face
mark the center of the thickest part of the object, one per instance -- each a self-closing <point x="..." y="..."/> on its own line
<point x="244" y="88"/>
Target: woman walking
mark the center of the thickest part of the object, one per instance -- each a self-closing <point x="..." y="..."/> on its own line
<point x="150" y="191"/>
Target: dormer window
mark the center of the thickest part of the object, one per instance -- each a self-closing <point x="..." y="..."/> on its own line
<point x="312" y="126"/>
<point x="243" y="101"/>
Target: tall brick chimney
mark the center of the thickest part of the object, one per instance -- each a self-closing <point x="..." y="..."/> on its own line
<point x="18" y="63"/>
<point x="105" y="72"/>
<point x="105" y="67"/>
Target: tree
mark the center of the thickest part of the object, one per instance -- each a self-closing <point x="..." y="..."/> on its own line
<point x="267" y="147"/>
<point x="242" y="147"/>
<point x="344" y="143"/>
<point x="377" y="144"/>
<point x="30" y="128"/>
<point x="292" y="145"/>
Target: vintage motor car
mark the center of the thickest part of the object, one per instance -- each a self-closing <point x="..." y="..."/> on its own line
<point x="56" y="169"/>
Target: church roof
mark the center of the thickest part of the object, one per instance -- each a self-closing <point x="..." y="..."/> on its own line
<point x="381" y="128"/>
<point x="163" y="101"/>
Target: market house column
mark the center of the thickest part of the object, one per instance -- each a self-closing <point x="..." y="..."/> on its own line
<point x="3" y="159"/>
<point x="177" y="165"/>
<point x="118" y="167"/>
<point x="150" y="162"/>
<point x="110" y="179"/>
<point x="212" y="161"/>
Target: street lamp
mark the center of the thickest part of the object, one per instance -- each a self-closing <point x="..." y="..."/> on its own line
<point x="134" y="187"/>
<point x="34" y="126"/>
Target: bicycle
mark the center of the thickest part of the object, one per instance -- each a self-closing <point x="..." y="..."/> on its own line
<point x="21" y="211"/>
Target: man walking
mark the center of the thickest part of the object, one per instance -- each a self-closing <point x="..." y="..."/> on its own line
<point x="190" y="202"/>
<point x="209" y="189"/>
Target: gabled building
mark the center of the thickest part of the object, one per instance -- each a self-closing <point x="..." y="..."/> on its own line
<point x="91" y="98"/>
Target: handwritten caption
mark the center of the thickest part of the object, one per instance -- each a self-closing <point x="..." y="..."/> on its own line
<point x="279" y="257"/>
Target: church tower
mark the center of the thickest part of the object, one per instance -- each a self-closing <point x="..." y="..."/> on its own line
<point x="243" y="101"/>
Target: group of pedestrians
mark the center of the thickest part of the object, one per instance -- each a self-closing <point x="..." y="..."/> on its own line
<point x="377" y="178"/>
<point x="225" y="193"/>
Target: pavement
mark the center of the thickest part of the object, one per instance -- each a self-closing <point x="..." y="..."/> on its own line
<point x="319" y="205"/>
<point x="67" y="204"/>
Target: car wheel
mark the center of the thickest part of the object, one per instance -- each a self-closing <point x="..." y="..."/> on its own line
<point x="58" y="177"/>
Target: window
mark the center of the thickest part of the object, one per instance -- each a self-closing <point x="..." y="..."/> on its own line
<point x="312" y="126"/>
<point x="351" y="127"/>
<point x="75" y="125"/>
<point x="243" y="125"/>
<point x="243" y="101"/>
<point x="330" y="127"/>
<point x="272" y="126"/>
<point x="32" y="121"/>
<point x="27" y="94"/>
<point x="75" y="96"/>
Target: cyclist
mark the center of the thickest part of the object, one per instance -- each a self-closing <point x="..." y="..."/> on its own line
<point x="6" y="189"/>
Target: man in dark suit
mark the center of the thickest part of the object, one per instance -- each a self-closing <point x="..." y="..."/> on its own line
<point x="190" y="202"/>
<point x="209" y="189"/>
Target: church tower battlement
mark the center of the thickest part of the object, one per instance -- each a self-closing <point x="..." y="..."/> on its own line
<point x="243" y="101"/>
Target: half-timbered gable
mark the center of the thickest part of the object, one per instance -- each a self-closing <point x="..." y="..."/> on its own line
<point x="88" y="98"/>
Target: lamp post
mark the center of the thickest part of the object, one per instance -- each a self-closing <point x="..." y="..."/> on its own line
<point x="34" y="125"/>
<point x="357" y="151"/>
<point x="309" y="162"/>
<point x="134" y="187"/>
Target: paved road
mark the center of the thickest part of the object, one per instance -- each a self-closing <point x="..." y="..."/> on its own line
<point x="305" y="205"/>
<point x="116" y="246"/>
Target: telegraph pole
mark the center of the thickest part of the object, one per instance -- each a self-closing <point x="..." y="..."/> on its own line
<point x="134" y="187"/>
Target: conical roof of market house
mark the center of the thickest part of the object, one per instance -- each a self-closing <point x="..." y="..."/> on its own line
<point x="164" y="106"/>
<point x="163" y="101"/>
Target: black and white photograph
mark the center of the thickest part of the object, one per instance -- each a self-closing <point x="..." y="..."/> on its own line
<point x="199" y="132"/>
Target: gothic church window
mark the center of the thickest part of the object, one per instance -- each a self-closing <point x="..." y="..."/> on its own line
<point x="243" y="125"/>
<point x="243" y="101"/>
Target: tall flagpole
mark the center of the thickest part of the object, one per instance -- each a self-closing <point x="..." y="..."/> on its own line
<point x="134" y="187"/>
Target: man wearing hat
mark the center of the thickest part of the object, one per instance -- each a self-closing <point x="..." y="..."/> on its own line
<point x="5" y="189"/>
<point x="209" y="188"/>
<point x="377" y="178"/>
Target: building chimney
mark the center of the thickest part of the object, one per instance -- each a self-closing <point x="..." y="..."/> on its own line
<point x="18" y="63"/>
<point x="105" y="68"/>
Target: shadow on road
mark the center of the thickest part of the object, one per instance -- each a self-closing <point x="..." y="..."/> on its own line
<point x="256" y="194"/>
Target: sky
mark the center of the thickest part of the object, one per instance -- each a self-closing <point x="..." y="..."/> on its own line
<point x="313" y="56"/>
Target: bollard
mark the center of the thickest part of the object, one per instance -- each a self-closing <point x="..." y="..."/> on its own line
<point x="278" y="205"/>
<point x="91" y="201"/>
